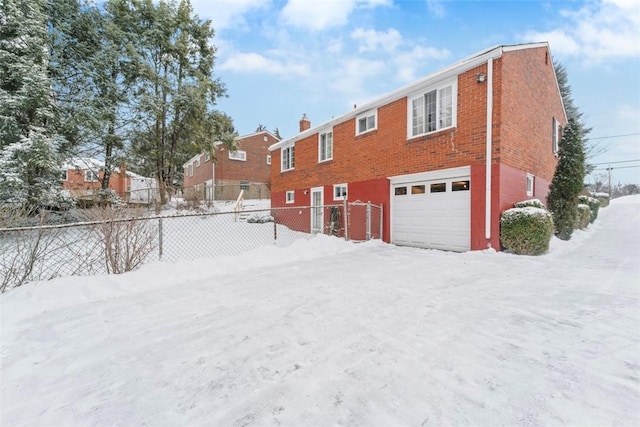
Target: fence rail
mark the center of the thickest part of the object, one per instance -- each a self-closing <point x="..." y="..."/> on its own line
<point x="118" y="240"/>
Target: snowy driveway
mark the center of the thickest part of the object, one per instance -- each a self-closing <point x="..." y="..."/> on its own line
<point x="331" y="333"/>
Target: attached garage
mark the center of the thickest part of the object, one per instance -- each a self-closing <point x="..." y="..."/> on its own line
<point x="432" y="209"/>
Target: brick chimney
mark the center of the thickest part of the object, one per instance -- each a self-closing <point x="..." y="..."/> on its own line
<point x="305" y="123"/>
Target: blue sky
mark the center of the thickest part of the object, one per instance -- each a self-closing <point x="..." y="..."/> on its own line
<point x="282" y="58"/>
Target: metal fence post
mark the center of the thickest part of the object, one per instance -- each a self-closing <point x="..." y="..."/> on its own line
<point x="275" y="228"/>
<point x="346" y="219"/>
<point x="381" y="221"/>
<point x="160" y="239"/>
<point x="368" y="221"/>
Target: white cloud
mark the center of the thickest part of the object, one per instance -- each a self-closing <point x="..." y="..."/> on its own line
<point x="607" y="29"/>
<point x="372" y="40"/>
<point x="320" y="15"/>
<point x="436" y="8"/>
<point x="227" y="13"/>
<point x="407" y="62"/>
<point x="257" y="63"/>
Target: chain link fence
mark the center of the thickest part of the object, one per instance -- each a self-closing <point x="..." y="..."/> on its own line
<point x="112" y="241"/>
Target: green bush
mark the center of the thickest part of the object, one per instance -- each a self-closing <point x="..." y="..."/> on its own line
<point x="526" y="231"/>
<point x="593" y="203"/>
<point x="583" y="216"/>
<point x="603" y="198"/>
<point x="533" y="203"/>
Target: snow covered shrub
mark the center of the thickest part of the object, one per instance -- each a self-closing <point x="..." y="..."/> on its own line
<point x="127" y="237"/>
<point x="603" y="198"/>
<point x="526" y="231"/>
<point x="583" y="216"/>
<point x="259" y="218"/>
<point x="533" y="203"/>
<point x="593" y="203"/>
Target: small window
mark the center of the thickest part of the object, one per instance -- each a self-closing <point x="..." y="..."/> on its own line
<point x="340" y="192"/>
<point x="238" y="155"/>
<point x="64" y="176"/>
<point x="439" y="187"/>
<point x="366" y="122"/>
<point x="530" y="182"/>
<point x="265" y="139"/>
<point x="288" y="158"/>
<point x="268" y="159"/>
<point x="244" y="185"/>
<point x="417" y="189"/>
<point x="460" y="186"/>
<point x="207" y="157"/>
<point x="190" y="169"/>
<point x="555" y="135"/>
<point x="400" y="191"/>
<point x="90" y="176"/>
<point x="290" y="196"/>
<point x="197" y="162"/>
<point x="325" y="146"/>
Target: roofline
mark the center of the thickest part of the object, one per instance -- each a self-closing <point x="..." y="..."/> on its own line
<point x="456" y="68"/>
<point x="238" y="138"/>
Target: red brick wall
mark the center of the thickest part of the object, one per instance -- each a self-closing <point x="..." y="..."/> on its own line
<point x="530" y="100"/>
<point x="254" y="169"/>
<point x="76" y="184"/>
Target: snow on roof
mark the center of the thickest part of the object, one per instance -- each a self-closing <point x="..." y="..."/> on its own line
<point x="83" y="163"/>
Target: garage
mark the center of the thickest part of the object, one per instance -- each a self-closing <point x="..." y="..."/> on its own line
<point x="432" y="210"/>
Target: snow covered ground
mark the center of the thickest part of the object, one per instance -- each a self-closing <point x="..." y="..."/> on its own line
<point x="326" y="332"/>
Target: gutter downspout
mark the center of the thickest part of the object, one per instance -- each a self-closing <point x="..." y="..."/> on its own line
<point x="487" y="219"/>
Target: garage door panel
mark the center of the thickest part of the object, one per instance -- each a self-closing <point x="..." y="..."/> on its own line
<point x="440" y="219"/>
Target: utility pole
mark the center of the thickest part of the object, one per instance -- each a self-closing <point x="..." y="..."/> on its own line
<point x="609" y="170"/>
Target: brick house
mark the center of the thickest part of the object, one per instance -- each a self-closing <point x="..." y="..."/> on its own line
<point x="444" y="155"/>
<point x="248" y="168"/>
<point x="82" y="178"/>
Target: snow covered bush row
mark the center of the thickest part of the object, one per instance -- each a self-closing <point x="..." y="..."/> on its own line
<point x="527" y="228"/>
<point x="592" y="203"/>
<point x="583" y="217"/>
<point x="603" y="198"/>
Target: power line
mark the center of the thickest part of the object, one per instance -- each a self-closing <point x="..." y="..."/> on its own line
<point x="618" y="161"/>
<point x="613" y="136"/>
<point x="619" y="167"/>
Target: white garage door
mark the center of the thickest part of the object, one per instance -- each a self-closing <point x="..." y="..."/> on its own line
<point x="431" y="210"/>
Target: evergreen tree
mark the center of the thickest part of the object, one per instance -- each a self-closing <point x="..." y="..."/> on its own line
<point x="567" y="180"/>
<point x="28" y="168"/>
<point x="276" y="133"/>
<point x="261" y="128"/>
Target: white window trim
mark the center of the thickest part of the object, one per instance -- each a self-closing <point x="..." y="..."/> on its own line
<point x="454" y="107"/>
<point x="66" y="175"/>
<point x="91" y="176"/>
<point x="197" y="162"/>
<point x="346" y="191"/>
<point x="292" y="161"/>
<point x="207" y="157"/>
<point x="190" y="169"/>
<point x="320" y="153"/>
<point x="238" y="155"/>
<point x="365" y="116"/>
<point x="290" y="196"/>
<point x="268" y="159"/>
<point x="530" y="184"/>
<point x="555" y="137"/>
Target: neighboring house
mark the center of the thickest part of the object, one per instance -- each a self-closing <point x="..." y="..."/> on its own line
<point x="423" y="151"/>
<point x="82" y="178"/>
<point x="247" y="168"/>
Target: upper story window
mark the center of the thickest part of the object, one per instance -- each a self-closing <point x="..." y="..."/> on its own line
<point x="288" y="158"/>
<point x="366" y="122"/>
<point x="190" y="169"/>
<point x="90" y="176"/>
<point x="325" y="146"/>
<point x="238" y="155"/>
<point x="339" y="191"/>
<point x="268" y="159"/>
<point x="207" y="157"/>
<point x="556" y="135"/>
<point x="197" y="162"/>
<point x="432" y="110"/>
